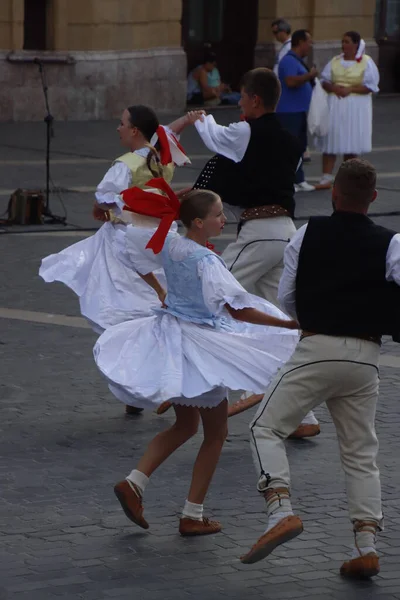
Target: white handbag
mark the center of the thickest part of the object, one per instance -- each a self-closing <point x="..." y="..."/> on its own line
<point x="318" y="114"/>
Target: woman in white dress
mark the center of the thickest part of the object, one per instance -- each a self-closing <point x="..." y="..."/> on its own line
<point x="191" y="351"/>
<point x="350" y="80"/>
<point x="110" y="292"/>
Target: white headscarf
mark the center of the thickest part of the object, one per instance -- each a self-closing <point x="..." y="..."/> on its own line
<point x="360" y="50"/>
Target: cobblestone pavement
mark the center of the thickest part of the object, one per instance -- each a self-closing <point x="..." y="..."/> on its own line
<point x="65" y="441"/>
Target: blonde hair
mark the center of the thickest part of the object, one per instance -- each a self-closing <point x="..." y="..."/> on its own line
<point x="196" y="204"/>
<point x="355" y="181"/>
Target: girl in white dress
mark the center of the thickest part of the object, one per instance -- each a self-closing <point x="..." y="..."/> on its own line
<point x="350" y="80"/>
<point x="109" y="291"/>
<point x="194" y="349"/>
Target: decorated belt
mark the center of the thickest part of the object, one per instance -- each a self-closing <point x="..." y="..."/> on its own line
<point x="369" y="338"/>
<point x="267" y="211"/>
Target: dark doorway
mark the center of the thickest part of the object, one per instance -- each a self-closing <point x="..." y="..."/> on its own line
<point x="35" y="24"/>
<point x="225" y="27"/>
<point x="387" y="34"/>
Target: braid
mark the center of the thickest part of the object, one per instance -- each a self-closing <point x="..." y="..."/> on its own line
<point x="153" y="161"/>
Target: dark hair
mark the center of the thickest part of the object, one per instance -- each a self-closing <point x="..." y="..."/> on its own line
<point x="354" y="36"/>
<point x="145" y="119"/>
<point x="282" y="25"/>
<point x="356" y="181"/>
<point x="210" y="57"/>
<point x="262" y="82"/>
<point x="196" y="204"/>
<point x="300" y="35"/>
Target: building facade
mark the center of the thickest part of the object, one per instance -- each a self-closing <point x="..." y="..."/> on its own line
<point x="102" y="55"/>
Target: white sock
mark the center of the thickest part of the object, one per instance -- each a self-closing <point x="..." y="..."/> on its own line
<point x="309" y="419"/>
<point x="139" y="479"/>
<point x="276" y="517"/>
<point x="327" y="176"/>
<point x="192" y="511"/>
<point x="365" y="540"/>
<point x="278" y="507"/>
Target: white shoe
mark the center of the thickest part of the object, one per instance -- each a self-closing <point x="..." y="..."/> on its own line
<point x="326" y="178"/>
<point x="303" y="187"/>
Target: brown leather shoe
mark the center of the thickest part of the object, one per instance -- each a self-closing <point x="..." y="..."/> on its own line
<point x="189" y="527"/>
<point x="244" y="404"/>
<point x="305" y="431"/>
<point x="131" y="503"/>
<point x="132" y="410"/>
<point x="163" y="407"/>
<point x="287" y="529"/>
<point x="361" y="567"/>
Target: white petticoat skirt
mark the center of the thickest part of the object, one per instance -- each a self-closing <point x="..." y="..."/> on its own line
<point x="350" y="125"/>
<point x="109" y="291"/>
<point x="162" y="358"/>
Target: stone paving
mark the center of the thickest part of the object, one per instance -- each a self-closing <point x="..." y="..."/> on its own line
<point x="64" y="442"/>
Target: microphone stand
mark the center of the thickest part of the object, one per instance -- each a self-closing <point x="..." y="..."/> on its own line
<point x="48" y="119"/>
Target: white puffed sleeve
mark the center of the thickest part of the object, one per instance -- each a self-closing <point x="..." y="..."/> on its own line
<point x="371" y="76"/>
<point x="117" y="179"/>
<point x="231" y="141"/>
<point x="220" y="287"/>
<point x="326" y="74"/>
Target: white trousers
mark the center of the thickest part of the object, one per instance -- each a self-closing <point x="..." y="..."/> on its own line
<point x="256" y="257"/>
<point x="344" y="373"/>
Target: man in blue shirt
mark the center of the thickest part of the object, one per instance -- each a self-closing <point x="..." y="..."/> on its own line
<point x="296" y="81"/>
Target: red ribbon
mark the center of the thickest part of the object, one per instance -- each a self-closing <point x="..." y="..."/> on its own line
<point x="178" y="144"/>
<point x="212" y="247"/>
<point x="163" y="206"/>
<point x="165" y="150"/>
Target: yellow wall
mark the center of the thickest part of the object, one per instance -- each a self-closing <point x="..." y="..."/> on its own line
<point x="98" y="24"/>
<point x="334" y="17"/>
<point x="11" y="24"/>
<point x="123" y="24"/>
<point x="326" y="19"/>
<point x="141" y="24"/>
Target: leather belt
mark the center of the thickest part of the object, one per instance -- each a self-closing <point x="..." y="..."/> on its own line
<point x="267" y="211"/>
<point x="377" y="339"/>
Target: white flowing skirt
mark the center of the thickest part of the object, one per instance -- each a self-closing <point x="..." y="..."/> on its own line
<point x="162" y="358"/>
<point x="350" y="125"/>
<point x="109" y="291"/>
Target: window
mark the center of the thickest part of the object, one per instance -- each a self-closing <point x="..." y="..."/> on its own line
<point x="196" y="20"/>
<point x="215" y="21"/>
<point x="393" y="18"/>
<point x="387" y="19"/>
<point x="378" y="19"/>
<point x="205" y="20"/>
<point x="35" y="24"/>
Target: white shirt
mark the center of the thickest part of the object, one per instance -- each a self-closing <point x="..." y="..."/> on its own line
<point x="287" y="284"/>
<point x="283" y="50"/>
<point x="231" y="141"/>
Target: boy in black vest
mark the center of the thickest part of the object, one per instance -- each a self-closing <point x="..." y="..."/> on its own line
<point x="254" y="172"/>
<point x="341" y="281"/>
